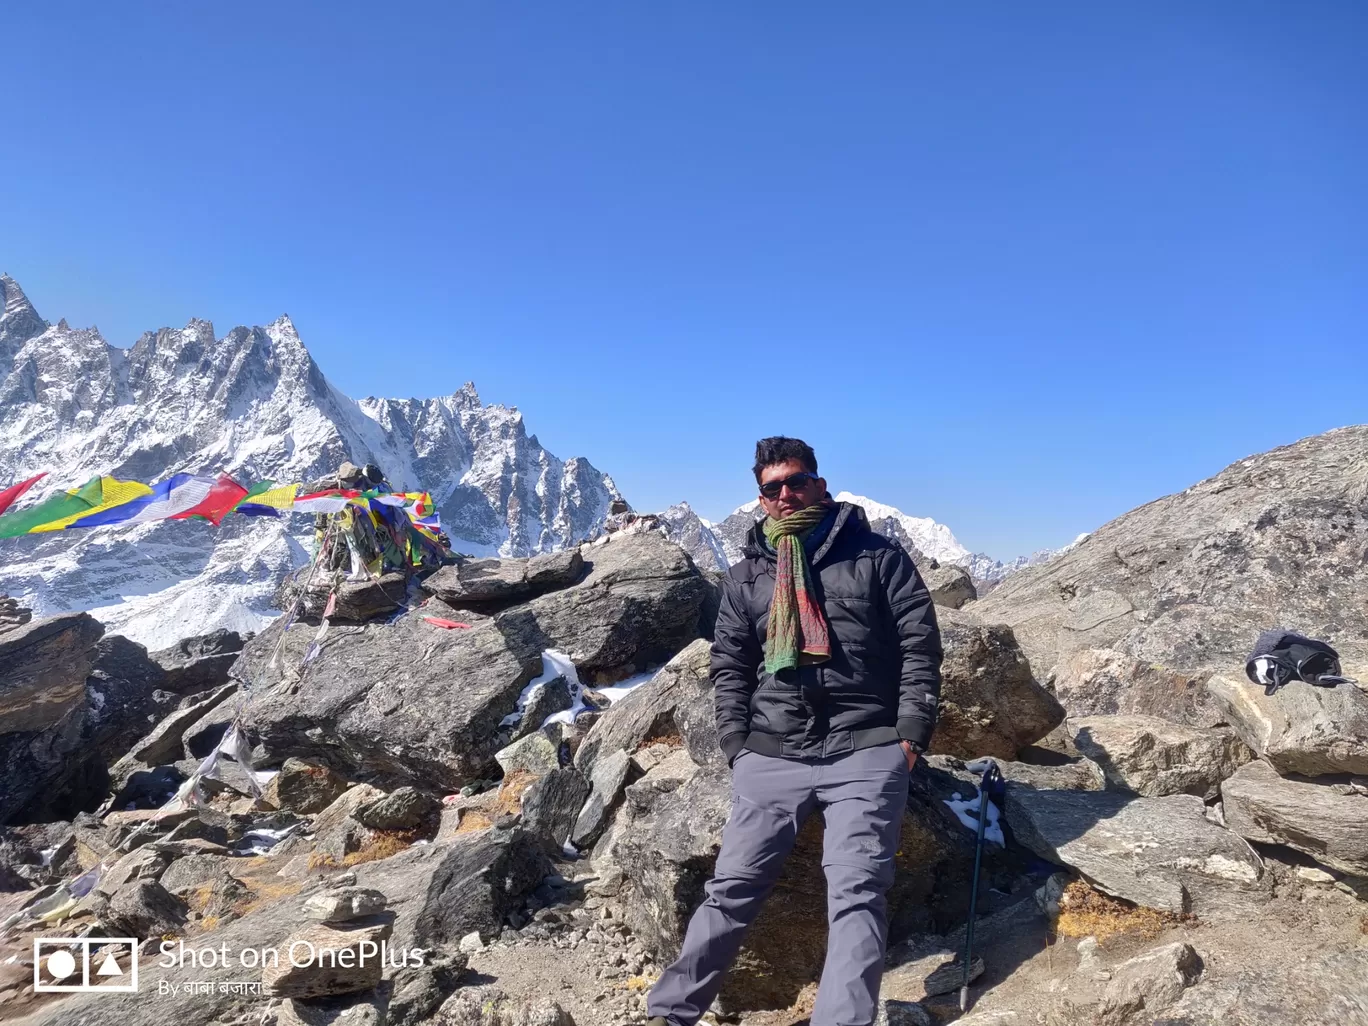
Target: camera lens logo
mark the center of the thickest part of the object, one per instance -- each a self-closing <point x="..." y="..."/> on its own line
<point x="102" y="965"/>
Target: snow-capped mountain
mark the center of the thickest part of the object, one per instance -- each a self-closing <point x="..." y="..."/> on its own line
<point x="252" y="404"/>
<point x="933" y="540"/>
<point x="695" y="536"/>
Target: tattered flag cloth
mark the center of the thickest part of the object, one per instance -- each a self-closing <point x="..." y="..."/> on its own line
<point x="175" y="495"/>
<point x="1281" y="656"/>
<point x="224" y="495"/>
<point x="110" y="502"/>
<point x="10" y="494"/>
<point x="56" y="512"/>
<point x="268" y="501"/>
<point x="334" y="500"/>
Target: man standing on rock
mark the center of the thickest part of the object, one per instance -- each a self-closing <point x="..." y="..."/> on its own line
<point x="826" y="666"/>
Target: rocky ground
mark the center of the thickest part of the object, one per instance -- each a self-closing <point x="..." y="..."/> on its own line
<point x="533" y="798"/>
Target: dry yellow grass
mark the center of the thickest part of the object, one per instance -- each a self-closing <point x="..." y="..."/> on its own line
<point x="673" y="740"/>
<point x="509" y="800"/>
<point x="473" y="820"/>
<point x="197" y="898"/>
<point x="381" y="844"/>
<point x="1086" y="912"/>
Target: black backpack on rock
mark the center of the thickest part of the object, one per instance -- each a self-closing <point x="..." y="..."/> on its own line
<point x="1281" y="655"/>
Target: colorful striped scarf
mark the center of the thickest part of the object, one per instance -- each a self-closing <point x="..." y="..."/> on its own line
<point x="797" y="630"/>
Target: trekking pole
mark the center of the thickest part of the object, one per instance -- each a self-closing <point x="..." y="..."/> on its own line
<point x="989" y="773"/>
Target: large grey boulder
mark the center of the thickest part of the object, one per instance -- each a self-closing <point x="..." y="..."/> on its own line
<point x="1327" y="821"/>
<point x="441" y="892"/>
<point x="1184" y="584"/>
<point x="199" y="663"/>
<point x="409" y="702"/>
<point x="70" y="702"/>
<point x="990" y="703"/>
<point x="483" y="583"/>
<point x="552" y="804"/>
<point x="639" y="603"/>
<point x="1300" y="728"/>
<point x="43" y="667"/>
<point x="950" y="586"/>
<point x="353" y="601"/>
<point x="1162" y="853"/>
<point x="665" y="842"/>
<point x="605" y="783"/>
<point x="1105" y="682"/>
<point x="1153" y="757"/>
<point x="649" y="710"/>
<point x="304" y="787"/>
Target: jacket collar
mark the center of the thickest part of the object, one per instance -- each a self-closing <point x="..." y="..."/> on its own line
<point x="849" y="517"/>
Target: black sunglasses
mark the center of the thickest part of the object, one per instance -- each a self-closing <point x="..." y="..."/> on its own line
<point x="795" y="482"/>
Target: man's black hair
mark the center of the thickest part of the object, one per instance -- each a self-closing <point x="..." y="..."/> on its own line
<point x="779" y="449"/>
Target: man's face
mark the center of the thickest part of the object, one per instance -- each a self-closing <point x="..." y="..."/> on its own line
<point x="797" y="493"/>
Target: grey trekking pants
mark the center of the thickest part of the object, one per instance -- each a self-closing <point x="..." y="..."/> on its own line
<point x="862" y="795"/>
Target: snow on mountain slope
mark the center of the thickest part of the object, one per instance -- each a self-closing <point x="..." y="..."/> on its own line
<point x="255" y="405"/>
<point x="932" y="539"/>
<point x="695" y="536"/>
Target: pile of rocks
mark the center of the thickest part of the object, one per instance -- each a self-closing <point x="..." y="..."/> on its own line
<point x="12" y="614"/>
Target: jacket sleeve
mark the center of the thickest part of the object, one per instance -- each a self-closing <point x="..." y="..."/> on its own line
<point x="919" y="644"/>
<point x="735" y="655"/>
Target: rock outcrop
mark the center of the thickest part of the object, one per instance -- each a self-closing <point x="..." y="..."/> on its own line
<point x="1183" y="585"/>
<point x="69" y="701"/>
<point x="1300" y="728"/>
<point x="1162" y="853"/>
<point x="1153" y="757"/>
<point x="497" y="583"/>
<point x="1328" y="821"/>
<point x="950" y="586"/>
<point x="990" y="702"/>
<point x="198" y="664"/>
<point x="409" y="701"/>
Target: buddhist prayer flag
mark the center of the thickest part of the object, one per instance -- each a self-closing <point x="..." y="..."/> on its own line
<point x="334" y="500"/>
<point x="175" y="495"/>
<point x="405" y="524"/>
<point x="13" y="492"/>
<point x="223" y="495"/>
<point x="57" y="511"/>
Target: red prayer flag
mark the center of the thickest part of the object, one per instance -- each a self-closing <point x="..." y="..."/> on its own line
<point x="10" y="494"/>
<point x="437" y="621"/>
<point x="223" y="496"/>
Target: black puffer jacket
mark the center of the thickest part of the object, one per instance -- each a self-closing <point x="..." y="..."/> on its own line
<point x="882" y="682"/>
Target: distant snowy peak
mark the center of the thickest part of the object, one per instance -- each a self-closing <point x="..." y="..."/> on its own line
<point x="695" y="536"/>
<point x="720" y="544"/>
<point x="930" y="538"/>
<point x="985" y="570"/>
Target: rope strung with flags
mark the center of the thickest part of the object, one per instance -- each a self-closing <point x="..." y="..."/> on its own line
<point x="108" y="502"/>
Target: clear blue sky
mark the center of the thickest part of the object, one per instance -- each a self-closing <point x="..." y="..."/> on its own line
<point x="1017" y="266"/>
